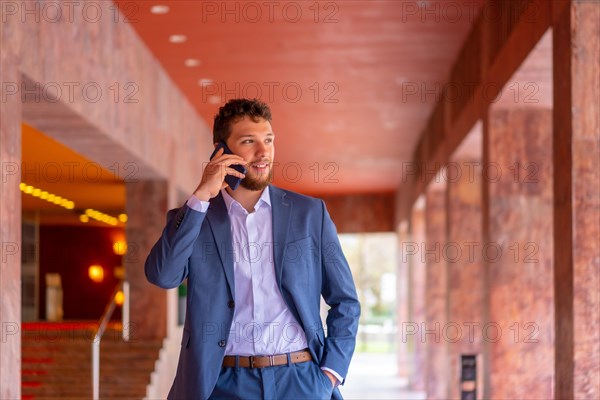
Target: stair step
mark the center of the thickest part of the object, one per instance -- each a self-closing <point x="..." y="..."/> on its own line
<point x="134" y="392"/>
<point x="88" y="349"/>
<point x="56" y="362"/>
<point x="46" y="396"/>
<point x="31" y="357"/>
<point x="33" y="343"/>
<point x="87" y="368"/>
<point x="133" y="378"/>
<point x="77" y="397"/>
<point x="84" y="388"/>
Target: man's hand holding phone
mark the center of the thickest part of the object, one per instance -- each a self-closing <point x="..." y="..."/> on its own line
<point x="213" y="176"/>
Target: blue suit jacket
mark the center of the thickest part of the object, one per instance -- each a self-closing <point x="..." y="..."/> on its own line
<point x="308" y="263"/>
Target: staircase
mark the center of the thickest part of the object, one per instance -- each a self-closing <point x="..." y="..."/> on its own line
<point x="57" y="360"/>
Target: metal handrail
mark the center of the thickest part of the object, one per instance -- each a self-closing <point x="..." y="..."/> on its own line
<point x="108" y="311"/>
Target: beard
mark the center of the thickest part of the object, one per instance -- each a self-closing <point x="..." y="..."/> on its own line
<point x="257" y="183"/>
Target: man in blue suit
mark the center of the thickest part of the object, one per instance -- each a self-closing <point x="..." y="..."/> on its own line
<point x="257" y="260"/>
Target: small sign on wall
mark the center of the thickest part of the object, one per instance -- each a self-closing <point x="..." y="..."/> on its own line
<point x="468" y="377"/>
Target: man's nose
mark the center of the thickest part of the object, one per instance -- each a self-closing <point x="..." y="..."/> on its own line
<point x="261" y="149"/>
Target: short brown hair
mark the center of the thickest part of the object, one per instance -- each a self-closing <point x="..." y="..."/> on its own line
<point x="233" y="111"/>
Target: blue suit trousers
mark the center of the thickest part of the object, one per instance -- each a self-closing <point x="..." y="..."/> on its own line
<point x="293" y="381"/>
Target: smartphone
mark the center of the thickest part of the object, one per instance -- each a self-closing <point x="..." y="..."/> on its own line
<point x="232" y="181"/>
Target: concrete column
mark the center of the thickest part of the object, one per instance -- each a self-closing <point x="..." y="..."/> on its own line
<point x="576" y="149"/>
<point x="466" y="274"/>
<point x="416" y="280"/>
<point x="10" y="215"/>
<point x="517" y="179"/>
<point x="146" y="210"/>
<point x="402" y="300"/>
<point x="436" y="291"/>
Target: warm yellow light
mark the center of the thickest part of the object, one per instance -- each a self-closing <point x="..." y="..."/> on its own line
<point x="44" y="195"/>
<point x="100" y="216"/>
<point x="123" y="217"/>
<point x="119" y="298"/>
<point x="84" y="218"/>
<point x="120" y="248"/>
<point x="119" y="272"/>
<point x="96" y="273"/>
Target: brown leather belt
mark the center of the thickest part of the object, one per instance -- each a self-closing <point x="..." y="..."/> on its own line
<point x="267" y="361"/>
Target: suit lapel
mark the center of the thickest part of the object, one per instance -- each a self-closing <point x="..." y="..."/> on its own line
<point x="281" y="212"/>
<point x="219" y="222"/>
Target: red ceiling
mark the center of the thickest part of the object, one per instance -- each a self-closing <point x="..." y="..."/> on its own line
<point x="335" y="74"/>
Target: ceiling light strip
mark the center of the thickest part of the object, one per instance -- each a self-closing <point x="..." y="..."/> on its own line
<point x="100" y="216"/>
<point x="44" y="195"/>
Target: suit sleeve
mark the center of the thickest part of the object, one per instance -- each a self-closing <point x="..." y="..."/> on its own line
<point x="339" y="293"/>
<point x="167" y="263"/>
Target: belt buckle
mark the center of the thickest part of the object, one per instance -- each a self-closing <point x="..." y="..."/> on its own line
<point x="251" y="361"/>
<point x="271" y="360"/>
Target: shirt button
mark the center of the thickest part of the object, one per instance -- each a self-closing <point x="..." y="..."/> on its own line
<point x="231" y="304"/>
<point x="222" y="343"/>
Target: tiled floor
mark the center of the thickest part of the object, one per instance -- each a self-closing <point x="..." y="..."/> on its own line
<point x="373" y="376"/>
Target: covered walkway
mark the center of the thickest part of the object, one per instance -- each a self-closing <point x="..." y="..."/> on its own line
<point x="375" y="376"/>
<point x="468" y="129"/>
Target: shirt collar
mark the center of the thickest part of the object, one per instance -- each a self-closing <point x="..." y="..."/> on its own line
<point x="265" y="197"/>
